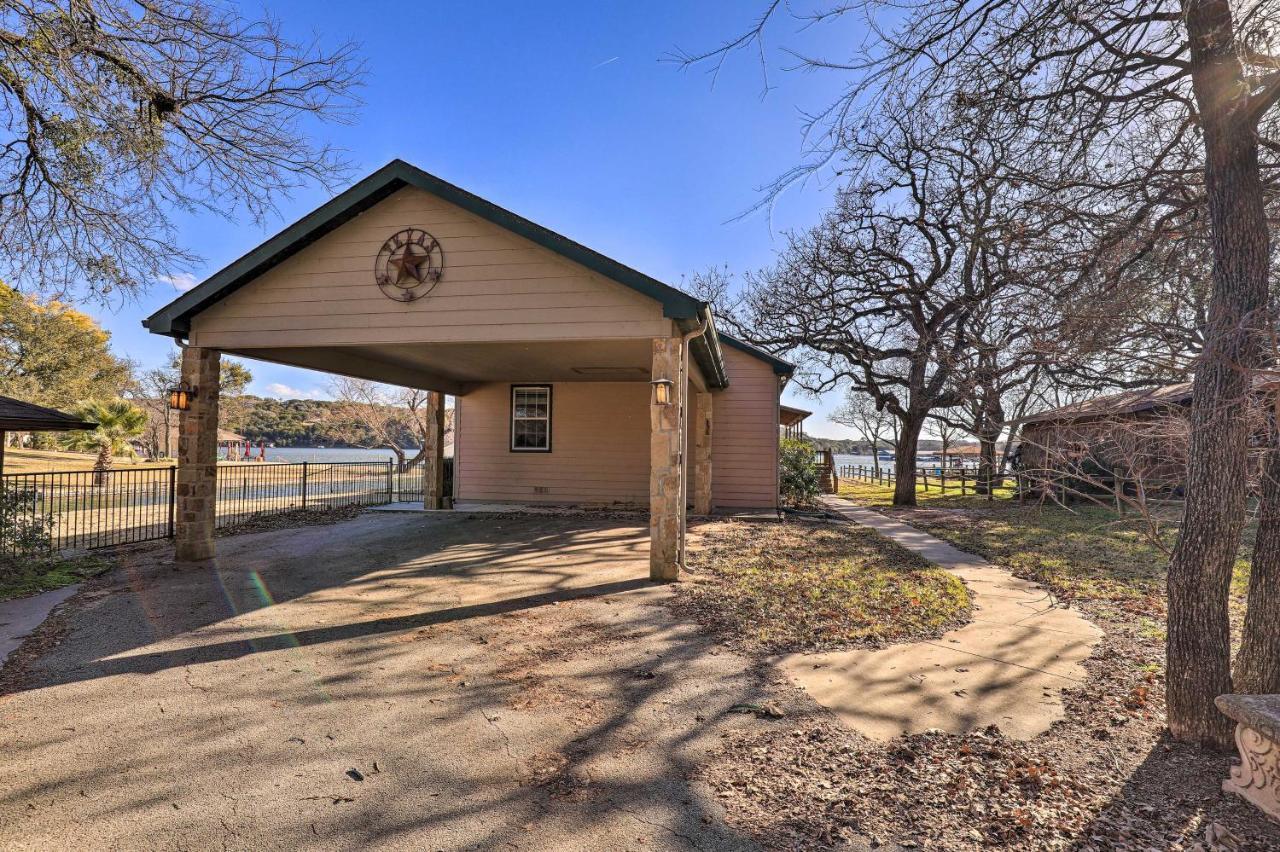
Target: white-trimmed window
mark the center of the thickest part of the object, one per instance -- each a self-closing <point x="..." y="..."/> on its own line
<point x="531" y="418"/>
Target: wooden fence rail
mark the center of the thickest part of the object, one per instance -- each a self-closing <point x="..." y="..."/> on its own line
<point x="935" y="477"/>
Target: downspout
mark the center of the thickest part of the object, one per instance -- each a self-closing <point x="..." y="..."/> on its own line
<point x="684" y="428"/>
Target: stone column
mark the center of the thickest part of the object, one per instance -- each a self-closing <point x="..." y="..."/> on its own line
<point x="196" y="479"/>
<point x="665" y="469"/>
<point x="701" y="427"/>
<point x="433" y="459"/>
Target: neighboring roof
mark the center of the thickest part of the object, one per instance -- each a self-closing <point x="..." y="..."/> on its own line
<point x="788" y="416"/>
<point x="781" y="367"/>
<point x="19" y="416"/>
<point x="1127" y="402"/>
<point x="174" y="319"/>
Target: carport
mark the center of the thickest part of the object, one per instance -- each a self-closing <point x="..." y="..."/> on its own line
<point x="578" y="380"/>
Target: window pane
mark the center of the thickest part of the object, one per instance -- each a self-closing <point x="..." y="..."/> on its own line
<point x="530" y="418"/>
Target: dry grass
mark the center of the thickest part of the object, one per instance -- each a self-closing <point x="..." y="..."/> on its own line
<point x="797" y="586"/>
<point x="872" y="494"/>
<point x="45" y="461"/>
<point x="1085" y="553"/>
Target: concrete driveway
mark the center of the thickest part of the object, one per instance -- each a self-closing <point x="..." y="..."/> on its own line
<point x="393" y="681"/>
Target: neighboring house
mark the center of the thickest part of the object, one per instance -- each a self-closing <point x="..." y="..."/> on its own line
<point x="1131" y="439"/>
<point x="791" y="421"/>
<point x="561" y="359"/>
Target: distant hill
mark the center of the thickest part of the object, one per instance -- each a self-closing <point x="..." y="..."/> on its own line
<point x="291" y="422"/>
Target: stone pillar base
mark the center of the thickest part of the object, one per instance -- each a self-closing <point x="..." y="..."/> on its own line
<point x="665" y="497"/>
<point x="195" y="485"/>
<point x="433" y="495"/>
<point x="701" y="439"/>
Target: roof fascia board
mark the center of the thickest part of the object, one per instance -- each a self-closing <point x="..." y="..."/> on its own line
<point x="781" y="367"/>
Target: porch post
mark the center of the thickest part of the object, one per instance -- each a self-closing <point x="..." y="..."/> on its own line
<point x="665" y="509"/>
<point x="195" y="485"/>
<point x="433" y="462"/>
<point x="702" y="426"/>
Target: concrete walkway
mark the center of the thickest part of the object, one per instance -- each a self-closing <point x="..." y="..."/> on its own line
<point x="1007" y="667"/>
<point x="20" y="616"/>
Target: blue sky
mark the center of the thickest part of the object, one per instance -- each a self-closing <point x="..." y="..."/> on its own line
<point x="564" y="113"/>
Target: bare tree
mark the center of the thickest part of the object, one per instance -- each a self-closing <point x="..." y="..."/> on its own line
<point x="874" y="425"/>
<point x="1168" y="101"/>
<point x="368" y="414"/>
<point x="886" y="294"/>
<point x="947" y="433"/>
<point x="120" y="111"/>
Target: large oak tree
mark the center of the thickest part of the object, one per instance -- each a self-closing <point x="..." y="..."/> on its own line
<point x="115" y="113"/>
<point x="1177" y="96"/>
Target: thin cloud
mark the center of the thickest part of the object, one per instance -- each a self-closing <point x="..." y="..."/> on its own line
<point x="283" y="391"/>
<point x="606" y="62"/>
<point x="182" y="282"/>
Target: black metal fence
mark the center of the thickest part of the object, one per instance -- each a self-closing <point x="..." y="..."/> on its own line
<point x="82" y="509"/>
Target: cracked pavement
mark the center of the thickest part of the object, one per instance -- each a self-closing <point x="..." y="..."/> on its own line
<point x="496" y="682"/>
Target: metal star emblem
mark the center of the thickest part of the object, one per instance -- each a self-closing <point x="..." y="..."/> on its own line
<point x="409" y="265"/>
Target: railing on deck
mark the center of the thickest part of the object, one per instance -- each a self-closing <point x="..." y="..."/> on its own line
<point x="84" y="509"/>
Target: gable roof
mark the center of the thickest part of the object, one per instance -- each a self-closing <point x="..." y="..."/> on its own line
<point x="174" y="319"/>
<point x="1111" y="405"/>
<point x="19" y="416"/>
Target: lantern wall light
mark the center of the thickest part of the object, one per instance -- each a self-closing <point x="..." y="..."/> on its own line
<point x="180" y="396"/>
<point x="662" y="391"/>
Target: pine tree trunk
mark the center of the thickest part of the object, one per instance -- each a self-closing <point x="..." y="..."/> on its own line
<point x="904" y="462"/>
<point x="1198" y="653"/>
<point x="1257" y="669"/>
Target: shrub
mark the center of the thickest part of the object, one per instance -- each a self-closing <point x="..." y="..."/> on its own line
<point x="24" y="531"/>
<point x="797" y="473"/>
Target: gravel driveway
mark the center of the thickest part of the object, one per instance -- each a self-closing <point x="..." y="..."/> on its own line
<point x="392" y="681"/>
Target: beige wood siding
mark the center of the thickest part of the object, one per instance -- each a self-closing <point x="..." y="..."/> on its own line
<point x="744" y="447"/>
<point x="599" y="447"/>
<point x="496" y="286"/>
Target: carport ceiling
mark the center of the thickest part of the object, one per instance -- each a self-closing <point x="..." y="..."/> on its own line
<point x="451" y="366"/>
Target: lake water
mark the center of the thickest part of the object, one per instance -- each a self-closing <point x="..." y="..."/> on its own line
<point x="334" y="454"/>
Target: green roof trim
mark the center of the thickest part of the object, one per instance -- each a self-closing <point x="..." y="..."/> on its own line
<point x="781" y="367"/>
<point x="174" y="319"/>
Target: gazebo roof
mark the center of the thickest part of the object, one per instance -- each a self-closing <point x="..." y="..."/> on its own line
<point x="19" y="416"/>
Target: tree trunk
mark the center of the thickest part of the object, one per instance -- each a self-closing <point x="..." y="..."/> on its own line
<point x="904" y="462"/>
<point x="1257" y="669"/>
<point x="986" y="464"/>
<point x="1198" y="653"/>
<point x="875" y="458"/>
<point x="102" y="464"/>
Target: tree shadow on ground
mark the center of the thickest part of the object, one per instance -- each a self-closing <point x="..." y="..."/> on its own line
<point x="1172" y="797"/>
<point x="494" y="682"/>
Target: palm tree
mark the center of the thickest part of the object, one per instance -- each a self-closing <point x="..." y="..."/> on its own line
<point x="118" y="421"/>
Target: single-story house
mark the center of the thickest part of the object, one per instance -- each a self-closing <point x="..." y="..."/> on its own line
<point x="1137" y="437"/>
<point x="578" y="380"/>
